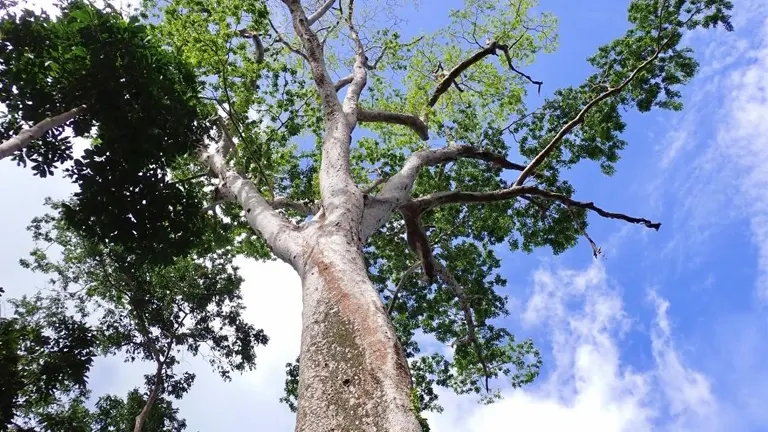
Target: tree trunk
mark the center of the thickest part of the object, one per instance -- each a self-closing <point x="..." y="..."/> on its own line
<point x="353" y="374"/>
<point x="153" y="395"/>
<point x="28" y="135"/>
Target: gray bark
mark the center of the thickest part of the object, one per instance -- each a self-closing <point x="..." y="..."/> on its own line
<point x="353" y="373"/>
<point x="28" y="135"/>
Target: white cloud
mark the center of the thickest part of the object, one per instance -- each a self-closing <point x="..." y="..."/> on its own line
<point x="715" y="157"/>
<point x="590" y="386"/>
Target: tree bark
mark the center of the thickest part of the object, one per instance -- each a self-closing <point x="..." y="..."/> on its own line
<point x="153" y="395"/>
<point x="353" y="372"/>
<point x="28" y="135"/>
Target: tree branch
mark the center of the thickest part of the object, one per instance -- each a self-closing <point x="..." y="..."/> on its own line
<point x="450" y="78"/>
<point x="591" y="206"/>
<point x="454" y="73"/>
<point x="280" y="234"/>
<point x="408" y="120"/>
<point x="469" y="320"/>
<point x="315" y="57"/>
<point x="320" y="12"/>
<point x="400" y="285"/>
<point x="343" y="82"/>
<point x="396" y="190"/>
<point x="28" y="135"/>
<point x="579" y="119"/>
<point x="461" y="197"/>
<point x="359" y="71"/>
<point x="287" y="44"/>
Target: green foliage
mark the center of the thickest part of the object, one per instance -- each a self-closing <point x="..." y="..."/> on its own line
<point x="143" y="113"/>
<point x="134" y="310"/>
<point x="45" y="357"/>
<point x="145" y="308"/>
<point x="114" y="414"/>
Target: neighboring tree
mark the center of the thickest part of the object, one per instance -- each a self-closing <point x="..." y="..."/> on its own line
<point x="298" y="183"/>
<point x="143" y="311"/>
<point x="45" y="356"/>
<point x="47" y="352"/>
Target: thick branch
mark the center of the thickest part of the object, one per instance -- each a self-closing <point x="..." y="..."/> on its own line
<point x="579" y="119"/>
<point x="320" y="12"/>
<point x="279" y="233"/>
<point x="408" y="120"/>
<point x="359" y="71"/>
<point x="454" y="73"/>
<point x="285" y="203"/>
<point x="396" y="190"/>
<point x="28" y="135"/>
<point x="315" y="57"/>
<point x="141" y="418"/>
<point x="343" y="82"/>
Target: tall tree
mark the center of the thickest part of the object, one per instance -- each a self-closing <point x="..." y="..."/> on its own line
<point x="297" y="182"/>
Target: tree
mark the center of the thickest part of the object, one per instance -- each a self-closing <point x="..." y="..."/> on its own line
<point x="299" y="182"/>
<point x="139" y="311"/>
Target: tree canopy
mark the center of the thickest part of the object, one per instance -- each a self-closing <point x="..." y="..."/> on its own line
<point x="267" y="128"/>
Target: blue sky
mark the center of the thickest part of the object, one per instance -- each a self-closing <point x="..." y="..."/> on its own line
<point x="667" y="332"/>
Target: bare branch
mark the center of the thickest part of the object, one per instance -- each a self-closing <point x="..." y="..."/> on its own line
<point x="591" y="206"/>
<point x="320" y="12"/>
<point x="579" y="119"/>
<point x="408" y="120"/>
<point x="462" y="197"/>
<point x="505" y="49"/>
<point x="287" y="44"/>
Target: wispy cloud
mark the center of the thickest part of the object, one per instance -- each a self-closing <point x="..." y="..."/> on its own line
<point x="591" y="385"/>
<point x="714" y="161"/>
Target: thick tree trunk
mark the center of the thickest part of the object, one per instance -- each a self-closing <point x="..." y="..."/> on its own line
<point x="353" y="373"/>
<point x="28" y="135"/>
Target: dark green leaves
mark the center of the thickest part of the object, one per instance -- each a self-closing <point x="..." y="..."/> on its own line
<point x="143" y="113"/>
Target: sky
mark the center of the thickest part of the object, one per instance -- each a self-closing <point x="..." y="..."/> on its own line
<point x="667" y="332"/>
